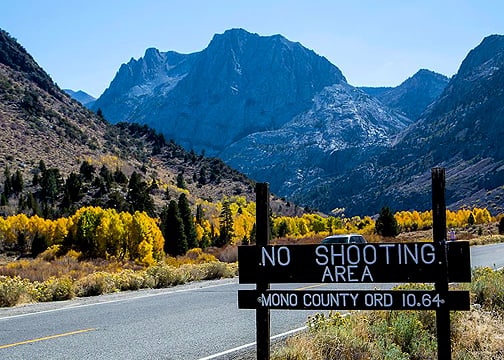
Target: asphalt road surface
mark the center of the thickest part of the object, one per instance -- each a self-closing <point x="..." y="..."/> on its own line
<point x="194" y="321"/>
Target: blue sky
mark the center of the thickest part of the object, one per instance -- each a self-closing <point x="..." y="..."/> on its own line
<point x="82" y="44"/>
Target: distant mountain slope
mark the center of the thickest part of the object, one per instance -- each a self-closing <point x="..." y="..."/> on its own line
<point x="81" y="96"/>
<point x="413" y="96"/>
<point x="240" y="84"/>
<point x="40" y="122"/>
<point x="267" y="106"/>
<point x="462" y="131"/>
<point x="141" y="79"/>
<point x="343" y="128"/>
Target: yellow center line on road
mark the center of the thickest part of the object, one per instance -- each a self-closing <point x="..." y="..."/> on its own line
<point x="45" y="338"/>
<point x="310" y="286"/>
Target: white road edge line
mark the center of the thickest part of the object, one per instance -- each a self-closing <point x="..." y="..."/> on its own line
<point x="169" y="292"/>
<point x="251" y="344"/>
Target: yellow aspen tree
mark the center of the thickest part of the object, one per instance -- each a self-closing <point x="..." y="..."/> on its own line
<point x="145" y="257"/>
<point x="59" y="231"/>
<point x="127" y="243"/>
<point x="3" y="232"/>
<point x="482" y="216"/>
<point x="117" y="230"/>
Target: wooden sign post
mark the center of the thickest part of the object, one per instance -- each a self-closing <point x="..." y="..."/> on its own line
<point x="439" y="237"/>
<point x="262" y="239"/>
<point x="438" y="262"/>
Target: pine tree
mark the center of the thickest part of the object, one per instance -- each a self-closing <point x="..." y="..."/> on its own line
<point x="199" y="214"/>
<point x="39" y="244"/>
<point x="17" y="182"/>
<point x="180" y="181"/>
<point x="50" y="183"/>
<point x="119" y="177"/>
<point x="73" y="187"/>
<point x="8" y="182"/>
<point x="226" y="225"/>
<point x="138" y="195"/>
<point x="3" y="200"/>
<point x="107" y="177"/>
<point x="87" y="171"/>
<point x="42" y="166"/>
<point x="172" y="228"/>
<point x="187" y="218"/>
<point x="471" y="220"/>
<point x="386" y="224"/>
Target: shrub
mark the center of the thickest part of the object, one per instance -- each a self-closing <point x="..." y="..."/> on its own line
<point x="477" y="335"/>
<point x="50" y="253"/>
<point x="95" y="284"/>
<point x="55" y="289"/>
<point x="198" y="256"/>
<point x="14" y="290"/>
<point x="162" y="275"/>
<point x="488" y="288"/>
<point x="129" y="280"/>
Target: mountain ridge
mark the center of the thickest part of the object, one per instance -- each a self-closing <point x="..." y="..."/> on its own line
<point x="289" y="106"/>
<point x="322" y="142"/>
<point x="413" y="95"/>
<point x="51" y="128"/>
<point x="227" y="83"/>
<point x="461" y="131"/>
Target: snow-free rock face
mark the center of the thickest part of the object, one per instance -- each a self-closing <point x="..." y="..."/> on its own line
<point x="461" y="131"/>
<point x="268" y="106"/>
<point x="81" y="96"/>
<point x="342" y="128"/>
<point x="141" y="79"/>
<point x="413" y="96"/>
<point x="283" y="114"/>
<point x="240" y="84"/>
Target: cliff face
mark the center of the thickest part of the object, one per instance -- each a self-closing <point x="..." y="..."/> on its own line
<point x="267" y="106"/>
<point x="414" y="95"/>
<point x="240" y="84"/>
<point x="461" y="131"/>
<point x="280" y="113"/>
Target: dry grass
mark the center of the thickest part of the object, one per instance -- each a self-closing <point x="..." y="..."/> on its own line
<point x="40" y="269"/>
<point x="479" y="335"/>
<point x="52" y="278"/>
<point x="476" y="334"/>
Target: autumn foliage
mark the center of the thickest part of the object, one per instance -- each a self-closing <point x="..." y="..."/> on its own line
<point x="106" y="233"/>
<point x="92" y="231"/>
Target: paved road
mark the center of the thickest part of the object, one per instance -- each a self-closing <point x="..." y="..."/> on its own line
<point x="194" y="321"/>
<point x="488" y="255"/>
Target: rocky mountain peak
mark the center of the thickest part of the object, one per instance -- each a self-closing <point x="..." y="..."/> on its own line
<point x="13" y="55"/>
<point x="414" y="94"/>
<point x="488" y="49"/>
<point x="240" y="84"/>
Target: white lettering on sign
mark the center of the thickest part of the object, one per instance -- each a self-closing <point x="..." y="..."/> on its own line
<point x="346" y="274"/>
<point x="399" y="254"/>
<point x="278" y="254"/>
<point x="276" y="299"/>
<point x="409" y="253"/>
<point x="330" y="300"/>
<point x="383" y="300"/>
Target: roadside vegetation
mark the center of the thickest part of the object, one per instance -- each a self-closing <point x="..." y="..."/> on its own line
<point x="98" y="231"/>
<point x="401" y="335"/>
<point x="50" y="277"/>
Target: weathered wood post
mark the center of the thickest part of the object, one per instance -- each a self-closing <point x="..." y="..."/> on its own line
<point x="262" y="239"/>
<point x="441" y="286"/>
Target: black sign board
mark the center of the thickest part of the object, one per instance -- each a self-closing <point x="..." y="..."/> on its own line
<point x="352" y="263"/>
<point x="438" y="262"/>
<point x="351" y="300"/>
